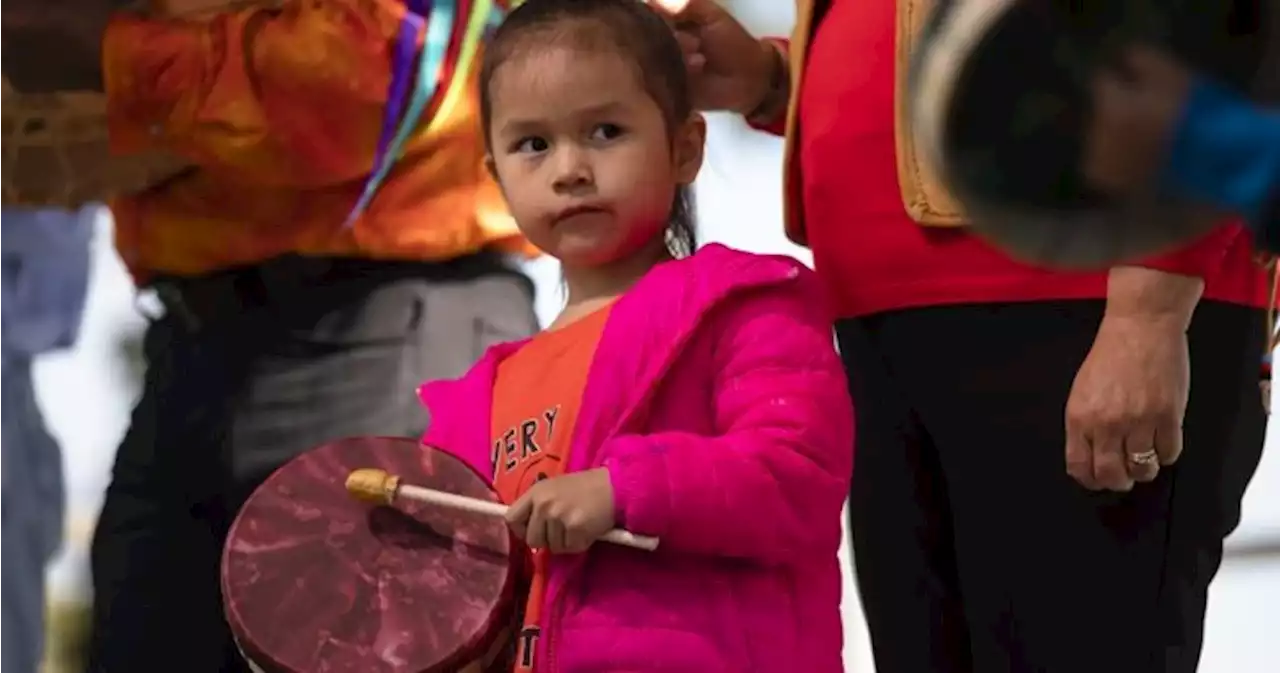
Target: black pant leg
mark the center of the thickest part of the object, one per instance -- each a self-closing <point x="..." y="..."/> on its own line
<point x="1225" y="430"/>
<point x="153" y="557"/>
<point x="1054" y="577"/>
<point x="904" y="560"/>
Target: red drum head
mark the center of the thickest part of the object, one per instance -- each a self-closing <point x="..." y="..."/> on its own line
<point x="315" y="580"/>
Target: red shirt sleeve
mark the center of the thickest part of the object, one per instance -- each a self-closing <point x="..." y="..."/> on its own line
<point x="292" y="97"/>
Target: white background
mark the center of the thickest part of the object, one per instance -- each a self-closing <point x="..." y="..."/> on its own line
<point x="87" y="393"/>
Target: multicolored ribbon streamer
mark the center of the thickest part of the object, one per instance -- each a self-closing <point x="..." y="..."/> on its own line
<point x="442" y="15"/>
<point x="406" y="51"/>
<point x="430" y="71"/>
<point x="478" y="22"/>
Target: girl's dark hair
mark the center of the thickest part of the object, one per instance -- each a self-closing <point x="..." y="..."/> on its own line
<point x="628" y="27"/>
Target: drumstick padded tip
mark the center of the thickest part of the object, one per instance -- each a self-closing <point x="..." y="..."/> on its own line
<point x="373" y="485"/>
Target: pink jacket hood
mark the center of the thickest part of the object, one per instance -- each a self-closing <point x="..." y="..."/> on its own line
<point x="718" y="404"/>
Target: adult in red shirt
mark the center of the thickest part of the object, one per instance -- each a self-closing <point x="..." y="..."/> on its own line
<point x="1016" y="505"/>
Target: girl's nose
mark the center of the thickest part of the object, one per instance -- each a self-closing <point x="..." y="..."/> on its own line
<point x="572" y="170"/>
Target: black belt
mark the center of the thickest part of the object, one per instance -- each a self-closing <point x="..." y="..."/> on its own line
<point x="198" y="301"/>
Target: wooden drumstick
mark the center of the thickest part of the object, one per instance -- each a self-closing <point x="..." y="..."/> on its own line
<point x="374" y="485"/>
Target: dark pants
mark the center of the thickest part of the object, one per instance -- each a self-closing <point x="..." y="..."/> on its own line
<point x="229" y="398"/>
<point x="976" y="552"/>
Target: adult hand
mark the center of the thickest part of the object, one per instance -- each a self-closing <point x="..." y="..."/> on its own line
<point x="1124" y="414"/>
<point x="565" y="514"/>
<point x="729" y="69"/>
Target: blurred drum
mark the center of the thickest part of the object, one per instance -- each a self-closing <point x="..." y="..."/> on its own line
<point x="1000" y="104"/>
<point x="314" y="580"/>
<point x="55" y="145"/>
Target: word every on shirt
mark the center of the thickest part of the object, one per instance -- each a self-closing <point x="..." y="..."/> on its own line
<point x="524" y="442"/>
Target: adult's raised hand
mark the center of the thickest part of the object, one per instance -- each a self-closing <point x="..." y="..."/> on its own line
<point x="729" y="69"/>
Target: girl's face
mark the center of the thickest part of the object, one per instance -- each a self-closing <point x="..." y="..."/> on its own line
<point x="583" y="155"/>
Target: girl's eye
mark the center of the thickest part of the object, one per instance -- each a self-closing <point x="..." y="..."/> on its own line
<point x="533" y="145"/>
<point x="606" y="132"/>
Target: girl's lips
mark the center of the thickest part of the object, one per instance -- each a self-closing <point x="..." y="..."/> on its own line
<point x="578" y="210"/>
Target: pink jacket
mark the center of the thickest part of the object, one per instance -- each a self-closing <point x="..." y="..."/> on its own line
<point x="719" y="406"/>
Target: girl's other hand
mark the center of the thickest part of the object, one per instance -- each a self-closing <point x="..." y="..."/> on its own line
<point x="565" y="514"/>
<point x="1136" y="107"/>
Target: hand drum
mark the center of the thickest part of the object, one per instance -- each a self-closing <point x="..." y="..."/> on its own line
<point x="315" y="580"/>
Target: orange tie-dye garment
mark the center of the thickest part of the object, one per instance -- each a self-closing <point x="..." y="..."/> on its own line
<point x="281" y="110"/>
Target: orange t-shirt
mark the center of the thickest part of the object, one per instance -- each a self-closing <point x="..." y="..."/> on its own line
<point x="536" y="397"/>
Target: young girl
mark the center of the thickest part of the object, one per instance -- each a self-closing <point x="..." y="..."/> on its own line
<point x="692" y="397"/>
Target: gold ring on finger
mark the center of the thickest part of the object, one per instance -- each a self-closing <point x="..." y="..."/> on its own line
<point x="1148" y="457"/>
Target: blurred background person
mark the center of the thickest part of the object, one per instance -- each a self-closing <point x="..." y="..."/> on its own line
<point x="45" y="278"/>
<point x="336" y="242"/>
<point x="1013" y="421"/>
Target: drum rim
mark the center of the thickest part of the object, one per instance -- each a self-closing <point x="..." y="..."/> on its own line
<point x="257" y="656"/>
<point x="1086" y="240"/>
<point x="960" y="27"/>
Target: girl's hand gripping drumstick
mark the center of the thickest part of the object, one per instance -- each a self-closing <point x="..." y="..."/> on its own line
<point x="374" y="485"/>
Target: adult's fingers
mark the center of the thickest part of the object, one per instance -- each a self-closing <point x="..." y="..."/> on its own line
<point x="689" y="42"/>
<point x="1141" y="460"/>
<point x="1079" y="456"/>
<point x="1109" y="458"/>
<point x="691" y="47"/>
<point x="1168" y="441"/>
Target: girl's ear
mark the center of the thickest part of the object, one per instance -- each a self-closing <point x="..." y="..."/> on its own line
<point x="688" y="146"/>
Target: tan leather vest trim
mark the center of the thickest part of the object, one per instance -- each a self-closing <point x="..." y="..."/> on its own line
<point x="926" y="201"/>
<point x="923" y="194"/>
<point x="792" y="182"/>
